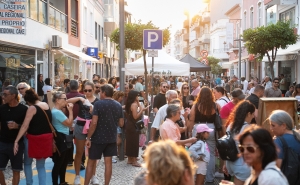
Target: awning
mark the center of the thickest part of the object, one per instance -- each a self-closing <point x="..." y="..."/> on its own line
<point x="76" y="54"/>
<point x="285" y="54"/>
<point x="227" y="65"/>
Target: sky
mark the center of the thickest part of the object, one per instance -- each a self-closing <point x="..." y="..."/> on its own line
<point x="163" y="13"/>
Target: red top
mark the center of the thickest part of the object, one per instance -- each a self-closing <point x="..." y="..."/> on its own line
<point x="226" y="110"/>
<point x="73" y="94"/>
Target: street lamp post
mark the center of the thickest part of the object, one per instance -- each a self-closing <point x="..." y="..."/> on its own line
<point x="240" y="58"/>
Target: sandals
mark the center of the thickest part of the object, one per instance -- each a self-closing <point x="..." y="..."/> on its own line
<point x="136" y="164"/>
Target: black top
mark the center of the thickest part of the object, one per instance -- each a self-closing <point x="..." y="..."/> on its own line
<point x="39" y="123"/>
<point x="159" y="100"/>
<point x="255" y="101"/>
<point x="255" y="182"/>
<point x="186" y="101"/>
<point x="16" y="114"/>
<point x="180" y="124"/>
<point x="84" y="112"/>
<point x="40" y="85"/>
<point x="201" y="118"/>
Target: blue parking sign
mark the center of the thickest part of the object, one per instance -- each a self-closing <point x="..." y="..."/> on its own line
<point x="152" y="39"/>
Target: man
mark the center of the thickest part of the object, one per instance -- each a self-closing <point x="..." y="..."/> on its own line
<point x="57" y="84"/>
<point x="139" y="87"/>
<point x="274" y="91"/>
<point x="97" y="89"/>
<point x="283" y="84"/>
<point x="74" y="93"/>
<point x="126" y="91"/>
<point x="12" y="115"/>
<point x="235" y="82"/>
<point x="66" y="87"/>
<point x="102" y="134"/>
<point x="160" y="98"/>
<point x="267" y="82"/>
<point x="96" y="77"/>
<point x="195" y="88"/>
<point x="289" y="93"/>
<point x="245" y="84"/>
<point x="254" y="99"/>
<point x="76" y="77"/>
<point x="161" y="114"/>
<point x="103" y="81"/>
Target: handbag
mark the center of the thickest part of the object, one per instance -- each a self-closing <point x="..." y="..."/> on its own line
<point x="69" y="140"/>
<point x="139" y="125"/>
<point x="54" y="147"/>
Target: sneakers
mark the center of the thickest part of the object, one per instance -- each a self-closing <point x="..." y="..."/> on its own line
<point x="95" y="181"/>
<point x="82" y="167"/>
<point x="77" y="180"/>
<point x="70" y="163"/>
<point x="114" y="161"/>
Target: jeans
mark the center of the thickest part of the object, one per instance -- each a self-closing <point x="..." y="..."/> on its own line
<point x="211" y="143"/>
<point x="40" y="166"/>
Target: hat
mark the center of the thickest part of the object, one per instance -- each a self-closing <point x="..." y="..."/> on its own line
<point x="203" y="128"/>
<point x="238" y="93"/>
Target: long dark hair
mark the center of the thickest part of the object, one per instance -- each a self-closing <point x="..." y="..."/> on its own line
<point x="239" y="114"/>
<point x="222" y="91"/>
<point x="130" y="100"/>
<point x="110" y="81"/>
<point x="205" y="101"/>
<point x="263" y="139"/>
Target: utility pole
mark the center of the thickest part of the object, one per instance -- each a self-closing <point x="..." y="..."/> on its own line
<point x="240" y="58"/>
<point x="121" y="63"/>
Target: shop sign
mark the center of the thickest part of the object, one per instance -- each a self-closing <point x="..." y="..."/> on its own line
<point x="21" y="51"/>
<point x="13" y="17"/>
<point x="286" y="57"/>
<point x="93" y="52"/>
<point x="12" y="62"/>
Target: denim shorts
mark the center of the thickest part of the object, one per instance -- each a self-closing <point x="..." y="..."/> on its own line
<point x="78" y="132"/>
<point x="239" y="169"/>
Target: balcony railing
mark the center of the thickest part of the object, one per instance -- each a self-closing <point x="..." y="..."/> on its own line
<point x="58" y="19"/>
<point x="223" y="50"/>
<point x="74" y="28"/>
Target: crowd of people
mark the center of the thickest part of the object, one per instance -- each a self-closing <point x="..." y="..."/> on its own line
<point x="183" y="146"/>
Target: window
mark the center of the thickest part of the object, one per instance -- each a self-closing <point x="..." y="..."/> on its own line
<point x="245" y="20"/>
<point x="91" y="23"/>
<point x="40" y="55"/>
<point x="259" y="14"/>
<point x="251" y="17"/>
<point x="288" y="15"/>
<point x="96" y="32"/>
<point x="37" y="10"/>
<point x="85" y="18"/>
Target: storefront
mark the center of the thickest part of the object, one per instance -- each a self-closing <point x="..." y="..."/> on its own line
<point x="64" y="67"/>
<point x="17" y="65"/>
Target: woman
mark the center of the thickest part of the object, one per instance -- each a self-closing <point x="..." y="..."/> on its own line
<point x="46" y="88"/>
<point x="296" y="94"/>
<point x="134" y="113"/>
<point x="179" y="83"/>
<point x="237" y="96"/>
<point x="22" y="88"/>
<point x="84" y="117"/>
<point x="221" y="96"/>
<point x="62" y="124"/>
<point x="204" y="111"/>
<point x="113" y="82"/>
<point x="259" y="152"/>
<point x="118" y="96"/>
<point x="82" y="86"/>
<point x="239" y="119"/>
<point x="170" y="129"/>
<point x="35" y="123"/>
<point x="168" y="164"/>
<point x="282" y="124"/>
<point x="187" y="99"/>
<point x="40" y="84"/>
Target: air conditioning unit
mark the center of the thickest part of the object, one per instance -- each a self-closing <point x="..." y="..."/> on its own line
<point x="56" y="41"/>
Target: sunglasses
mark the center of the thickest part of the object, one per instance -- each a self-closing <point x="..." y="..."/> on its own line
<point x="186" y="88"/>
<point x="250" y="149"/>
<point x="88" y="90"/>
<point x="165" y="86"/>
<point x="21" y="88"/>
<point x="276" y="82"/>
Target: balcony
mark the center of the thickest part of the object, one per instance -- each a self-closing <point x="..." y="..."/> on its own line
<point x="195" y="26"/>
<point x="205" y="17"/>
<point x="186" y="37"/>
<point x="74" y="28"/>
<point x="109" y="27"/>
<point x="194" y="43"/>
<point x="220" y="53"/>
<point x="280" y="2"/>
<point x="58" y="19"/>
<point x="205" y="38"/>
<point x="186" y="24"/>
<point x="220" y="24"/>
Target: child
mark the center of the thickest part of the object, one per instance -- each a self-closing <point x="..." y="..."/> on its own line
<point x="200" y="152"/>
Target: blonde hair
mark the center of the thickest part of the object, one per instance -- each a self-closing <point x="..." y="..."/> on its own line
<point x="166" y="163"/>
<point x="118" y="94"/>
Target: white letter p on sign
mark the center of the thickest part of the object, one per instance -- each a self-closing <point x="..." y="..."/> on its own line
<point x="152" y="40"/>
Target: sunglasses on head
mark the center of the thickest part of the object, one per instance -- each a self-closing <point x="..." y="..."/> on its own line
<point x="88" y="90"/>
<point x="250" y="149"/>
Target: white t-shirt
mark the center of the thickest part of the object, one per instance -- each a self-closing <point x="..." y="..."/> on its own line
<point x="179" y="84"/>
<point x="222" y="101"/>
<point x="47" y="88"/>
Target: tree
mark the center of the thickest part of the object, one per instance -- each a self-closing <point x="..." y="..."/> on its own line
<point x="213" y="62"/>
<point x="134" y="40"/>
<point x="262" y="40"/>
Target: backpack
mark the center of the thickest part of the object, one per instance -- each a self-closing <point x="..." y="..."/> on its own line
<point x="290" y="166"/>
<point x="227" y="147"/>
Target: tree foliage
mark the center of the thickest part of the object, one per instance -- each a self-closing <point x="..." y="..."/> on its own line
<point x="262" y="40"/>
<point x="134" y="40"/>
<point x="214" y="65"/>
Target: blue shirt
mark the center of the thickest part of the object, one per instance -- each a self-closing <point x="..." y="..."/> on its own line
<point x="291" y="141"/>
<point x="58" y="117"/>
<point x="109" y="112"/>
